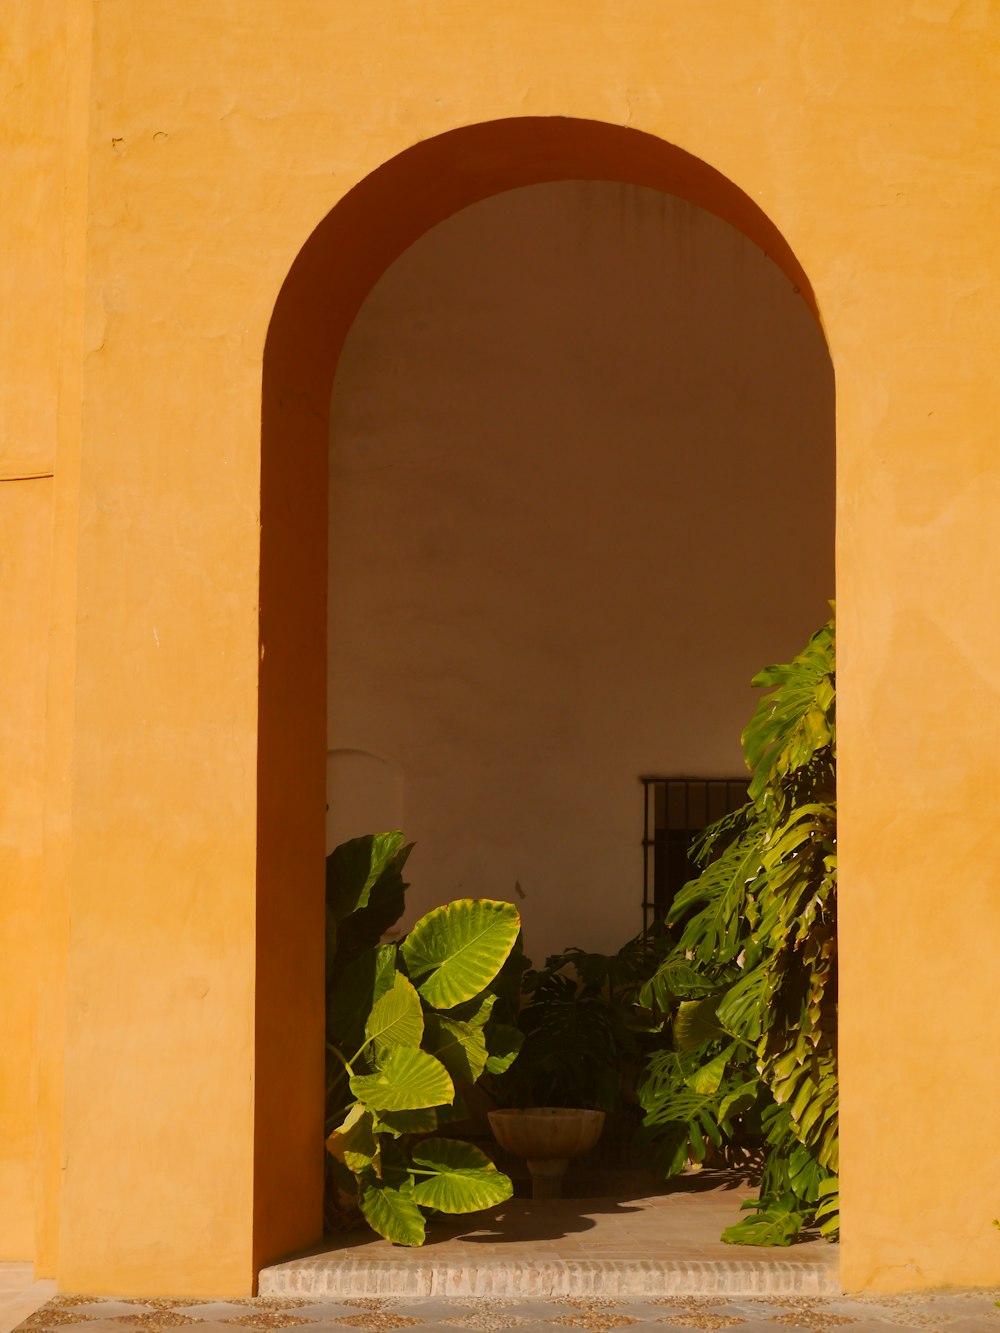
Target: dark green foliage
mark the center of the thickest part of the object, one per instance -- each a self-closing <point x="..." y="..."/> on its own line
<point x="408" y="1026"/>
<point x="750" y="990"/>
<point x="585" y="1037"/>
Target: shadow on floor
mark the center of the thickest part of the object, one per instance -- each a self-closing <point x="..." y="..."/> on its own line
<point x="598" y="1199"/>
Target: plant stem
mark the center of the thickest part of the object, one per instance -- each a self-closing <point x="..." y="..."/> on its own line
<point x="340" y="1056"/>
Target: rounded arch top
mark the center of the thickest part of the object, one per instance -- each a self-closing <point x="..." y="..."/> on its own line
<point x="333" y="273"/>
<point x="421" y="186"/>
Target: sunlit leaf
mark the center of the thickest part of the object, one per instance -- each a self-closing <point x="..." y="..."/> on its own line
<point x="353" y="1142"/>
<point x="407" y="1078"/>
<point x="397" y="1017"/>
<point x="461" y="1047"/>
<point x="465" y="1179"/>
<point x="776" y="1224"/>
<point x="392" y="1212"/>
<point x="456" y="950"/>
<point x="708" y="1078"/>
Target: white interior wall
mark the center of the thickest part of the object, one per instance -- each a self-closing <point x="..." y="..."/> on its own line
<point x="581" y="489"/>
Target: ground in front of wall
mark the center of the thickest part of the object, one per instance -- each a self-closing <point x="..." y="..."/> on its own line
<point x="953" y="1312"/>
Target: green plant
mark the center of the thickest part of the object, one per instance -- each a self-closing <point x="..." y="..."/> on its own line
<point x="408" y="1025"/>
<point x="750" y="988"/>
<point x="585" y="1038"/>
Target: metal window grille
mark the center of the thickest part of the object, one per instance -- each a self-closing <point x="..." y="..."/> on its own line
<point x="675" y="811"/>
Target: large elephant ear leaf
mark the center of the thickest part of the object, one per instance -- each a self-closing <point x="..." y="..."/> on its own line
<point x="397" y="1018"/>
<point x="461" y="1047"/>
<point x="455" y="951"/>
<point x="407" y="1078"/>
<point x="421" y="1120"/>
<point x="464" y="1179"/>
<point x="354" y="867"/>
<point x="381" y="902"/>
<point x="353" y="1142"/>
<point x="392" y="1212"/>
<point x="355" y="990"/>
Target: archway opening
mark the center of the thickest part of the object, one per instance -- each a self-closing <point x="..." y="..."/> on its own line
<point x="581" y="452"/>
<point x="333" y="275"/>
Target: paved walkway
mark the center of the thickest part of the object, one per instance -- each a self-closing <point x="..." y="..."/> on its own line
<point x="630" y="1259"/>
<point x="20" y="1295"/>
<point x="956" y="1313"/>
<point x="638" y="1240"/>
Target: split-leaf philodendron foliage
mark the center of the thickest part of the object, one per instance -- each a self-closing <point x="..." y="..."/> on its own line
<point x="408" y="1025"/>
<point x="751" y="986"/>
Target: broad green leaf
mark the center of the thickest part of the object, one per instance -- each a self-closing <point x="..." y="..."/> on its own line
<point x="407" y="1078"/>
<point x="740" y="1099"/>
<point x="773" y="1224"/>
<point x="354" y="866"/>
<point x="354" y="992"/>
<point x="421" y="1120"/>
<point x="745" y="1007"/>
<point x="455" y="951"/>
<point x="503" y="1043"/>
<point x="759" y="936"/>
<point x="805" y="1175"/>
<point x="695" y="1023"/>
<point x="669" y="1151"/>
<point x="696" y="1143"/>
<point x="676" y="979"/>
<point x="397" y="1018"/>
<point x="353" y="1142"/>
<point x="391" y="1165"/>
<point x="362" y="929"/>
<point x="392" y="1212"/>
<point x="829" y="1189"/>
<point x="475" y="1011"/>
<point x="465" y="1179"/>
<point x="461" y="1047"/>
<point x="385" y="970"/>
<point x="708" y="1079"/>
<point x="828" y="1208"/>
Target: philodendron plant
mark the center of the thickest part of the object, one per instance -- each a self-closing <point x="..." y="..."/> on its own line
<point x="408" y="1024"/>
<point x="751" y="987"/>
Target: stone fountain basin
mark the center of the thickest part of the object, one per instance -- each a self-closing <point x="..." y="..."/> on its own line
<point x="547" y="1133"/>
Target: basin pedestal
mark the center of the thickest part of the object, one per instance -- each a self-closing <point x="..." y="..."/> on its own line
<point x="547" y="1137"/>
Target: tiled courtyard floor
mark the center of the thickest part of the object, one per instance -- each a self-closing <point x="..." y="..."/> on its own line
<point x="951" y="1313"/>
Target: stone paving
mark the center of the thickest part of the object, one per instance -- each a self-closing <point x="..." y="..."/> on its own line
<point x="639" y="1240"/>
<point x="20" y="1294"/>
<point x="955" y="1312"/>
<point x="639" y="1258"/>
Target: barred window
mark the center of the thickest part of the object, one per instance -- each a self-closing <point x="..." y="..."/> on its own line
<point x="675" y="810"/>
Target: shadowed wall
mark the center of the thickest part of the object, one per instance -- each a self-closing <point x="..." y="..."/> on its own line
<point x="581" y="489"/>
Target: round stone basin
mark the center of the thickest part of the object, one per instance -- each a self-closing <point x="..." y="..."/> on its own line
<point x="547" y="1137"/>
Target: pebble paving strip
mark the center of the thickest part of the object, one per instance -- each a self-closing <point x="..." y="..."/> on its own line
<point x="963" y="1312"/>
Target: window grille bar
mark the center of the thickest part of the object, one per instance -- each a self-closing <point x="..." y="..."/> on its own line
<point x="675" y="810"/>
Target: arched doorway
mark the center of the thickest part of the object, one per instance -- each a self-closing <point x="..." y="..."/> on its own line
<point x="581" y="490"/>
<point x="323" y="293"/>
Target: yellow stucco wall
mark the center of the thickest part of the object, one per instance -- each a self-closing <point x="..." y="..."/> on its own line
<point x="44" y="58"/>
<point x="184" y="154"/>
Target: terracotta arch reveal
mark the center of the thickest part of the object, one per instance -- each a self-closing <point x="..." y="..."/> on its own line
<point x="326" y="286"/>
